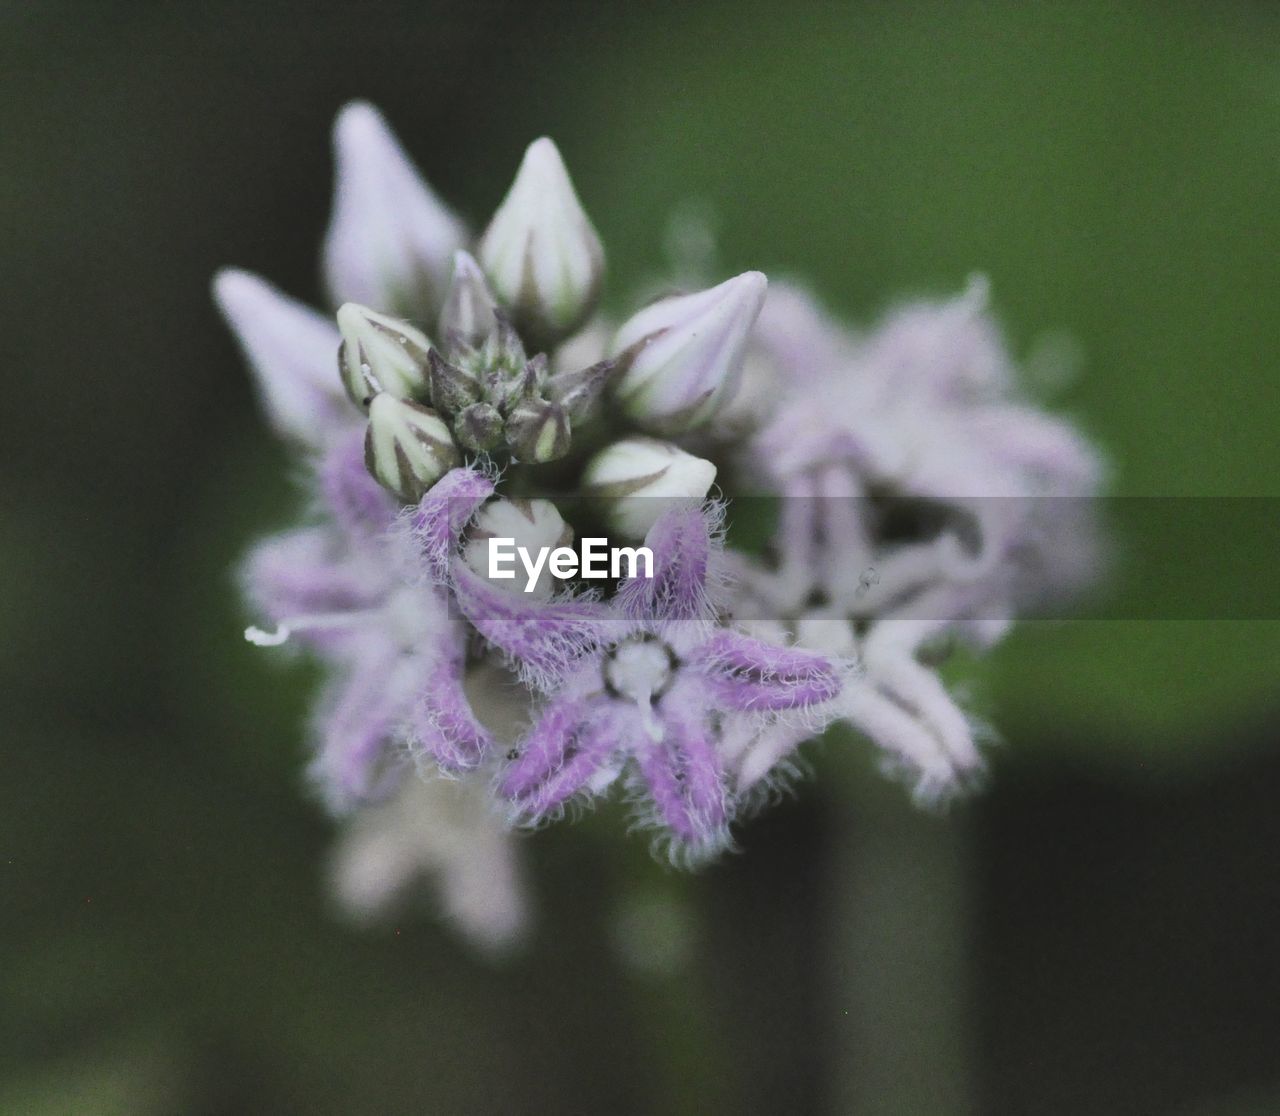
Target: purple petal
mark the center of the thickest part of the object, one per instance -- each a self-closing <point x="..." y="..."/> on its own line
<point x="391" y="241"/>
<point x="443" y="514"/>
<point x="444" y="726"/>
<point x="683" y="773"/>
<point x="292" y="352"/>
<point x="746" y="673"/>
<point x="559" y="757"/>
<point x="543" y="639"/>
<point x="361" y="506"/>
<point x="298" y="576"/>
<point x="682" y="541"/>
<point x="355" y="732"/>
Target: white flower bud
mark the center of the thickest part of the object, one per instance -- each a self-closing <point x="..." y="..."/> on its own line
<point x="642" y="477"/>
<point x="380" y="354"/>
<point x="681" y="357"/>
<point x="533" y="524"/>
<point x="540" y="252"/>
<point x="391" y="240"/>
<point x="407" y="447"/>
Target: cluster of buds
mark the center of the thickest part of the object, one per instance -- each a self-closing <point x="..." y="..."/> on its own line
<point x="484" y="385"/>
<point x="482" y="397"/>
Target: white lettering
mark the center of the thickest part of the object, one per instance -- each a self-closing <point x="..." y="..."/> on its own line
<point x="633" y="555"/>
<point x="598" y="560"/>
<point x="591" y="550"/>
<point x="564" y="561"/>
<point x="497" y="547"/>
<point x="533" y="569"/>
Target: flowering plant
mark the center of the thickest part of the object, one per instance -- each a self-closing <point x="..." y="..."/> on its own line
<point x="469" y="391"/>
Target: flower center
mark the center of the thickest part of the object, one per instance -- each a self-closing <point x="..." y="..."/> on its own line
<point x="639" y="669"/>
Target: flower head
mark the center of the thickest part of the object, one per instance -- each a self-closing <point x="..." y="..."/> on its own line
<point x="920" y="501"/>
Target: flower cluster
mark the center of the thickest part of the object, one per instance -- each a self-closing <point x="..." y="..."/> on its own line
<point x="469" y="390"/>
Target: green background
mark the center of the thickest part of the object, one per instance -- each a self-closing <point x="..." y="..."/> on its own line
<point x="1094" y="934"/>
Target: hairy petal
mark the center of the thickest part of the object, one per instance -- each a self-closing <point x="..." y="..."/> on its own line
<point x="444" y="727"/>
<point x="542" y="639"/>
<point x="440" y="518"/>
<point x="292" y="353"/>
<point x="746" y="673"/>
<point x="683" y="584"/>
<point x="938" y="766"/>
<point x="564" y="753"/>
<point x="683" y="774"/>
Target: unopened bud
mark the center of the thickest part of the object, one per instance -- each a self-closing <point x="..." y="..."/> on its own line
<point x="452" y="389"/>
<point x="467" y="316"/>
<point x="538" y="432"/>
<point x="578" y="392"/>
<point x="407" y="447"/>
<point x="532" y="524"/>
<point x="540" y="251"/>
<point x="380" y="354"/>
<point x="643" y="477"/>
<point x="390" y="240"/>
<point x="479" y="427"/>
<point x="681" y="357"/>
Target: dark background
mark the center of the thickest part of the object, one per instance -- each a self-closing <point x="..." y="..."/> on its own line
<point x="1096" y="933"/>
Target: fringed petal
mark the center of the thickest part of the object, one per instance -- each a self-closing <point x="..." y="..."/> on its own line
<point x="684" y="777"/>
<point x="541" y="639"/>
<point x="685" y="578"/>
<point x="440" y="518"/>
<point x="445" y="729"/>
<point x="565" y="753"/>
<point x="746" y="673"/>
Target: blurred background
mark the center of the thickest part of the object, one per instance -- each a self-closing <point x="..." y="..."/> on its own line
<point x="1095" y="934"/>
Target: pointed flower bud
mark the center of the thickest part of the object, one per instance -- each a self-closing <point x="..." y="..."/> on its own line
<point x="391" y="240"/>
<point x="533" y="524"/>
<point x="452" y="389"/>
<point x="503" y="353"/>
<point x="681" y="357"/>
<point x="289" y="348"/>
<point x="540" y="251"/>
<point x="467" y="317"/>
<point x="479" y="427"/>
<point x="407" y="446"/>
<point x="538" y="432"/>
<point x="642" y="477"/>
<point x="380" y="354"/>
<point x="578" y="392"/>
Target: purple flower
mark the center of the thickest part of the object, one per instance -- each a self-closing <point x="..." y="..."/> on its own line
<point x="653" y="689"/>
<point x="923" y="501"/>
<point x="348" y="591"/>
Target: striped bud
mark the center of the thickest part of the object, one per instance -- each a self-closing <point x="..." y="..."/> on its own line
<point x="380" y="354"/>
<point x="681" y="357"/>
<point x="640" y="478"/>
<point x="540" y="252"/>
<point x="538" y="432"/>
<point x="407" y="447"/>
